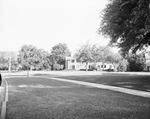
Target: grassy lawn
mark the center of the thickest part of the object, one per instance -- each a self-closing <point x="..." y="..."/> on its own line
<point x="138" y="82"/>
<point x="37" y="98"/>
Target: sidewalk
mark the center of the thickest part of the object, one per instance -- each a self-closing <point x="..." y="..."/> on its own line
<point x="74" y="72"/>
<point x="112" y="88"/>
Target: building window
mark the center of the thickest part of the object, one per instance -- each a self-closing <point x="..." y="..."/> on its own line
<point x="148" y="68"/>
<point x="110" y="66"/>
<point x="73" y="67"/>
<point x="104" y="66"/>
<point x="101" y="66"/>
<point x="72" y="61"/>
<point x="89" y="66"/>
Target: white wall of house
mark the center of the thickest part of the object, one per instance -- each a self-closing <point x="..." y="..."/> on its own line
<point x="147" y="57"/>
<point x="104" y="66"/>
<point x="71" y="63"/>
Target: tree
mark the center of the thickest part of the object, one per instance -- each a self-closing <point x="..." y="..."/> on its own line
<point x="136" y="62"/>
<point x="34" y="59"/>
<point x="84" y="54"/>
<point x="127" y="23"/>
<point x="113" y="57"/>
<point x="41" y="60"/>
<point x="59" y="52"/>
<point x="44" y="60"/>
<point x="122" y="65"/>
<point x="27" y="57"/>
<point x="8" y="61"/>
<point x="97" y="53"/>
<point x="3" y="63"/>
<point x="51" y="59"/>
<point x="119" y="62"/>
<point x="14" y="62"/>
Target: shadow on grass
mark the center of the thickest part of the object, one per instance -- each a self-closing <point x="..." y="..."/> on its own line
<point x="136" y="82"/>
<point x="71" y="103"/>
<point x="46" y="75"/>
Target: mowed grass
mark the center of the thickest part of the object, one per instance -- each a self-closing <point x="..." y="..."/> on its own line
<point x="40" y="98"/>
<point x="138" y="82"/>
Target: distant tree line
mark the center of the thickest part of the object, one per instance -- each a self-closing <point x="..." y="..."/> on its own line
<point x="94" y="53"/>
<point x="37" y="59"/>
<point x="7" y="58"/>
<point x="32" y="58"/>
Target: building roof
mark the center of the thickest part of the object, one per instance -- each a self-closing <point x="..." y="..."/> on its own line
<point x="70" y="58"/>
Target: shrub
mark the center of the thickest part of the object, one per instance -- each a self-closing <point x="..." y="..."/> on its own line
<point x="94" y="67"/>
<point x="61" y="67"/>
<point x="136" y="63"/>
<point x="111" y="70"/>
<point x="122" y="65"/>
<point x="58" y="67"/>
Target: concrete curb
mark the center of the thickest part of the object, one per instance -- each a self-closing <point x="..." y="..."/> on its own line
<point x="69" y="73"/>
<point x="5" y="100"/>
<point x="112" y="88"/>
<point x="3" y="111"/>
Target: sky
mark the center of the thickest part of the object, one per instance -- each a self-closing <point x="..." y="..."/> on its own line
<point x="45" y="23"/>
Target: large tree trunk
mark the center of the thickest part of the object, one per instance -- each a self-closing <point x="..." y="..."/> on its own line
<point x="28" y="71"/>
<point x="103" y="66"/>
<point x="86" y="66"/>
<point x="95" y="66"/>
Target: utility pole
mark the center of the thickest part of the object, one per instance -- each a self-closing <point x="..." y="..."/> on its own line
<point x="9" y="65"/>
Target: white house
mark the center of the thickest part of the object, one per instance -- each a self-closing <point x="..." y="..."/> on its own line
<point x="147" y="57"/>
<point x="71" y="63"/>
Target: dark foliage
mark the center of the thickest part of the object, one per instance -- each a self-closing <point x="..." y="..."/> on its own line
<point x="58" y="54"/>
<point x="127" y="23"/>
<point x="136" y="63"/>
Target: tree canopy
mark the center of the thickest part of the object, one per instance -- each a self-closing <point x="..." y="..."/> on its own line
<point x="94" y="53"/>
<point x="31" y="57"/>
<point x="27" y="56"/>
<point x="136" y="62"/>
<point x="3" y="63"/>
<point x="61" y="50"/>
<point x="58" y="54"/>
<point x="84" y="54"/>
<point x="8" y="60"/>
<point x="127" y="23"/>
<point x="97" y="54"/>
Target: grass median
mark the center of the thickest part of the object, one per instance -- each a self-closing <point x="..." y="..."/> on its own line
<point x="137" y="82"/>
<point x="36" y="98"/>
